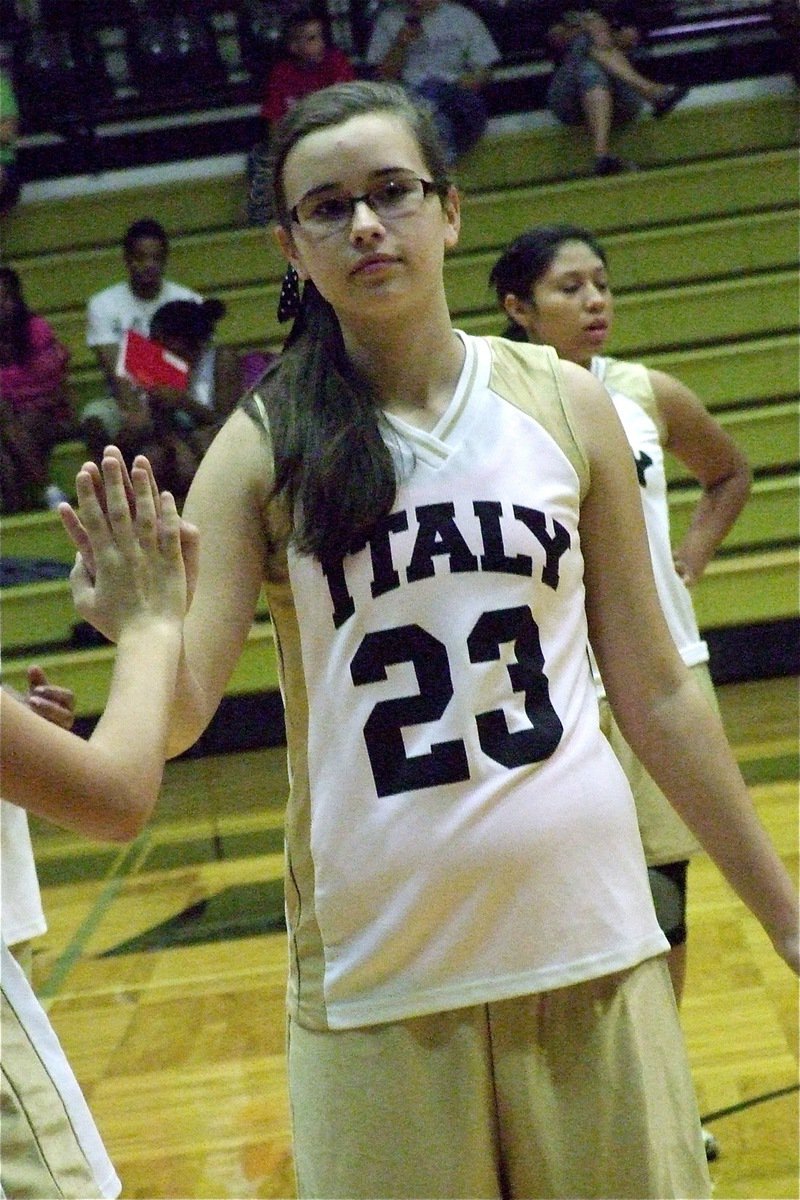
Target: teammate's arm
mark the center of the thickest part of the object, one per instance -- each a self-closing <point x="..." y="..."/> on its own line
<point x="715" y="461"/>
<point x="108" y="787"/>
<point x="661" y="711"/>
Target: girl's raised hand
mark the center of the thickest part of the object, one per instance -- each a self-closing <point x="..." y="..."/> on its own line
<point x="130" y="568"/>
<point x="70" y="519"/>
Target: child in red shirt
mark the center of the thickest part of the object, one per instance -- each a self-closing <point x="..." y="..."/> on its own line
<point x="308" y="63"/>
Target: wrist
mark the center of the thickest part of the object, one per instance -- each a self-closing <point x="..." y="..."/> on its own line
<point x="149" y="633"/>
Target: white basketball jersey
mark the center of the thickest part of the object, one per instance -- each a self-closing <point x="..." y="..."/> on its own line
<point x="630" y="389"/>
<point x="458" y="830"/>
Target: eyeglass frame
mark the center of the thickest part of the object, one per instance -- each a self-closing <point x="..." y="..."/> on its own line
<point x="429" y="186"/>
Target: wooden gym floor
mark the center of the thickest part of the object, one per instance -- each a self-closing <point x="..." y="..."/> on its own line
<point x="163" y="972"/>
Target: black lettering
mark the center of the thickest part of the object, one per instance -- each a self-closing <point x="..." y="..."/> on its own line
<point x="384" y="576"/>
<point x="343" y="603"/>
<point x="494" y="557"/>
<point x="643" y="461"/>
<point x="554" y="546"/>
<point x="438" y="534"/>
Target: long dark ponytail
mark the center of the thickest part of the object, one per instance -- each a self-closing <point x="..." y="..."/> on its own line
<point x="332" y="463"/>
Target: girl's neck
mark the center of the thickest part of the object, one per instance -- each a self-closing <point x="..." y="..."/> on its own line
<point x="413" y="370"/>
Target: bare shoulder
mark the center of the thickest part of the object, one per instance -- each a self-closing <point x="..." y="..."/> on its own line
<point x="693" y="433"/>
<point x="238" y="460"/>
<point x="671" y="393"/>
<point x="593" y="414"/>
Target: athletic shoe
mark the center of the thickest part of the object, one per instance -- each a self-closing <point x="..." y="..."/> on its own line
<point x="711" y="1144"/>
<point x="610" y="164"/>
<point x="668" y="101"/>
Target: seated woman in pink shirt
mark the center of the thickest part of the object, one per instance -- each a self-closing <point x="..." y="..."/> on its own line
<point x="35" y="408"/>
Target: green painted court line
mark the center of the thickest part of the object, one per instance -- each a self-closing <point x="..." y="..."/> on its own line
<point x="125" y="867"/>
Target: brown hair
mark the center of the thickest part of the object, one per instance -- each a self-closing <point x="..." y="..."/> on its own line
<point x="332" y="465"/>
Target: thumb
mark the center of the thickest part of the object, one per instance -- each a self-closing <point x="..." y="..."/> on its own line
<point x="36" y="677"/>
<point x="81" y="582"/>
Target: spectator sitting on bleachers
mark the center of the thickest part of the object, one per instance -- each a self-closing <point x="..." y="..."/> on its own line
<point x="442" y="53"/>
<point x="35" y="406"/>
<point x="182" y="423"/>
<point x="307" y="63"/>
<point x="122" y="415"/>
<point x="595" y="83"/>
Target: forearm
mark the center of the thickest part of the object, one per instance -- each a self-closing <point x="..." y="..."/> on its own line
<point x="715" y="514"/>
<point x="682" y="743"/>
<point x="391" y="67"/>
<point x="106" y="788"/>
<point x="191" y="710"/>
<point x="133" y="405"/>
<point x="132" y="400"/>
<point x="132" y="732"/>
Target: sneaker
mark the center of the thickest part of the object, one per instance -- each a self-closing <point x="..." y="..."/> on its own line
<point x="668" y="101"/>
<point x="711" y="1144"/>
<point x="610" y="164"/>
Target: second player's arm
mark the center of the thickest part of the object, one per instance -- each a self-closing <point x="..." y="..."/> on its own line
<point x="716" y="462"/>
<point x="226" y="503"/>
<point x="661" y="711"/>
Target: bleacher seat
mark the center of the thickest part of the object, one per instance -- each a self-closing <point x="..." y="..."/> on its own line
<point x="702" y="243"/>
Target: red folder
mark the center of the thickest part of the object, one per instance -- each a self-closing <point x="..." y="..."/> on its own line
<point x="148" y="364"/>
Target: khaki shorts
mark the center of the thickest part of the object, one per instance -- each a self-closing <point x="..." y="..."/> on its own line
<point x="41" y="1154"/>
<point x="580" y="1092"/>
<point x="664" y="836"/>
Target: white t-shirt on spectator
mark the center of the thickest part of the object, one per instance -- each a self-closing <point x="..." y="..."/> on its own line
<point x="116" y="309"/>
<point x="454" y="42"/>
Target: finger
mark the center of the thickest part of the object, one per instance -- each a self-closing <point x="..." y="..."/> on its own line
<point x="190" y="547"/>
<point x="93" y="470"/>
<point x="36" y="676"/>
<point x="92" y="515"/>
<point x="143" y="463"/>
<point x="147" y="519"/>
<point x="56" y="714"/>
<point x="115" y="453"/>
<point x="169" y="528"/>
<point x="121" y="512"/>
<point x="63" y="697"/>
<point x="80" y="581"/>
<point x="77" y="534"/>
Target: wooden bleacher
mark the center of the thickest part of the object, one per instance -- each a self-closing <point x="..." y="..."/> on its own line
<point x="702" y="243"/>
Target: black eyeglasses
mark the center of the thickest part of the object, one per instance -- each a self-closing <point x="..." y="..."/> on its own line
<point x="326" y="213"/>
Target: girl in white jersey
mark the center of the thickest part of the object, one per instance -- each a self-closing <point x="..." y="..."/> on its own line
<point x="552" y="281"/>
<point x="132" y="573"/>
<point x="478" y="1000"/>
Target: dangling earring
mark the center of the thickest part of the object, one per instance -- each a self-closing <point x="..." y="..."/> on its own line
<point x="289" y="299"/>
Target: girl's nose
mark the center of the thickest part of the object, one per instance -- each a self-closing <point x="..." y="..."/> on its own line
<point x="364" y="221"/>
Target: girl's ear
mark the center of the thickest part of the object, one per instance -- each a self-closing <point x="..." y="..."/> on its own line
<point x="452" y="211"/>
<point x="519" y="311"/>
<point x="289" y="250"/>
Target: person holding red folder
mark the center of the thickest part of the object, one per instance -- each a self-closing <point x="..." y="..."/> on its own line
<point x="121" y="416"/>
<point x="186" y="384"/>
